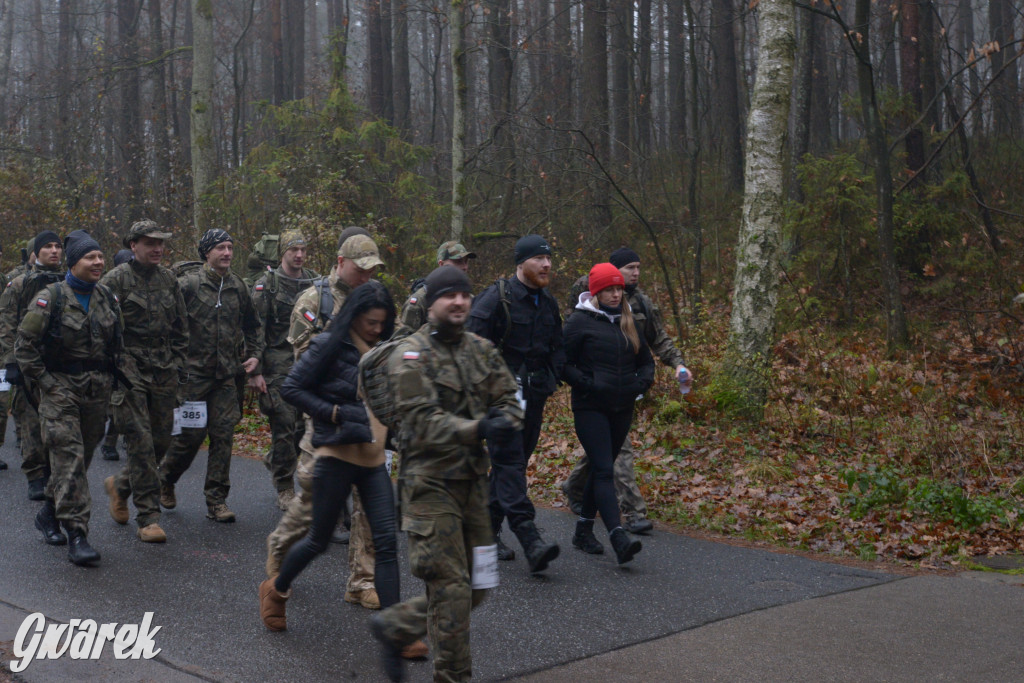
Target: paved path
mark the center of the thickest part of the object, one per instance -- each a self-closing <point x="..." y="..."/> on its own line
<point x="685" y="609"/>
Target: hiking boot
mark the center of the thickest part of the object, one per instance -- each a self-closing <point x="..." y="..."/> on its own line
<point x="152" y="533"/>
<point x="585" y="540"/>
<point x="37" y="489"/>
<point x="417" y="650"/>
<point x="637" y="525"/>
<point x="575" y="504"/>
<point x="110" y="452"/>
<point x="168" y="500"/>
<point x="118" y="508"/>
<point x="272" y="606"/>
<point x="390" y="652"/>
<point x="46" y="522"/>
<point x="79" y="550"/>
<point x="538" y="552"/>
<point x="368" y="598"/>
<point x="285" y="498"/>
<point x="3" y="466"/>
<point x="505" y="554"/>
<point x="220" y="513"/>
<point x="625" y="546"/>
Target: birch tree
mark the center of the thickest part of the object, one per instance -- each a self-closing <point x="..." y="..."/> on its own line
<point x="755" y="292"/>
<point x="203" y="157"/>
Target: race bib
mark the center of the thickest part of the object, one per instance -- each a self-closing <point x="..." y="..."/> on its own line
<point x="485" y="566"/>
<point x="519" y="393"/>
<point x="4" y="384"/>
<point x="191" y="414"/>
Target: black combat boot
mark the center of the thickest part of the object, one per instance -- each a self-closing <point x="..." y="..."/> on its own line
<point x="505" y="554"/>
<point x="46" y="522"/>
<point x="585" y="540"/>
<point x="110" y="452"/>
<point x="37" y="489"/>
<point x="79" y="550"/>
<point x="538" y="553"/>
<point x="390" y="651"/>
<point x="625" y="545"/>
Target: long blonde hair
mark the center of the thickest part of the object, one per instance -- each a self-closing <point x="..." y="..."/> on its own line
<point x="627" y="325"/>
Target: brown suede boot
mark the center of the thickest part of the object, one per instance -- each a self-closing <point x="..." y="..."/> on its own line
<point x="272" y="606"/>
<point x="118" y="506"/>
<point x="417" y="650"/>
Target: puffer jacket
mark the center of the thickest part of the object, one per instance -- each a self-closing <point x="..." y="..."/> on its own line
<point x="317" y="393"/>
<point x="601" y="367"/>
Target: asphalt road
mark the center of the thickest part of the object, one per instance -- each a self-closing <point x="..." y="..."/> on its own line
<point x="201" y="586"/>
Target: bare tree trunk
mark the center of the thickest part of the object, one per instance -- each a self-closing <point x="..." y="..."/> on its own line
<point x="457" y="40"/>
<point x="644" y="118"/>
<point x="755" y="293"/>
<point x="68" y="12"/>
<point x="401" y="86"/>
<point x="277" y="48"/>
<point x="1005" y="109"/>
<point x="499" y="81"/>
<point x="295" y="49"/>
<point x="965" y="11"/>
<point x="895" y="319"/>
<point x="910" y="68"/>
<point x="802" y="99"/>
<point x="378" y="29"/>
<point x="6" y="47"/>
<point x="162" y="144"/>
<point x="726" y="91"/>
<point x="692" y="199"/>
<point x="676" y="78"/>
<point x="594" y="92"/>
<point x="130" y="114"/>
<point x="204" y="168"/>
<point x="619" y="18"/>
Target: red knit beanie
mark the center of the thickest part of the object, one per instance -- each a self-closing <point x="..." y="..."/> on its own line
<point x="604" y="275"/>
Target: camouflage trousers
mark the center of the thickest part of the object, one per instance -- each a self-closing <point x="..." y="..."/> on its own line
<point x="34" y="461"/>
<point x="145" y="415"/>
<point x="71" y="418"/>
<point x="284" y="422"/>
<point x="223" y="413"/>
<point x="631" y="501"/>
<point x="297" y="519"/>
<point x="445" y="519"/>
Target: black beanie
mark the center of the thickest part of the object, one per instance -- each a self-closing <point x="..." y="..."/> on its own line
<point x="44" y="238"/>
<point x="77" y="244"/>
<point x="446" y="280"/>
<point x="530" y="246"/>
<point x="351" y="231"/>
<point x="123" y="256"/>
<point x="623" y="256"/>
<point x="210" y="239"/>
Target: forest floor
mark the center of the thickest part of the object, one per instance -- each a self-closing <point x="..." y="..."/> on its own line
<point x="913" y="459"/>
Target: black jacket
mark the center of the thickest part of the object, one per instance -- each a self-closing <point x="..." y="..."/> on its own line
<point x="325" y="376"/>
<point x="604" y="372"/>
<point x="532" y="348"/>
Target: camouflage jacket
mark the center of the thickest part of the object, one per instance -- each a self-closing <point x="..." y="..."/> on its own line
<point x="274" y="296"/>
<point x="307" y="319"/>
<point x="80" y="351"/>
<point x="414" y="312"/>
<point x="14" y="304"/>
<point x="442" y="390"/>
<point x="155" y="321"/>
<point x="15" y="272"/>
<point x="220" y="311"/>
<point x="648" y="321"/>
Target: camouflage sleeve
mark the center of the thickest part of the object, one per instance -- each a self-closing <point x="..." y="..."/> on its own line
<point x="9" y="321"/>
<point x="252" y="330"/>
<point x="179" y="329"/>
<point x="417" y="400"/>
<point x="657" y="338"/>
<point x="503" y="386"/>
<point x="303" y="319"/>
<point x="581" y="285"/>
<point x="28" y="348"/>
<point x="414" y="312"/>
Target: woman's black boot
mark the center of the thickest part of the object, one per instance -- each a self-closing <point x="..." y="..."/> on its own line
<point x="625" y="545"/>
<point x="585" y="540"/>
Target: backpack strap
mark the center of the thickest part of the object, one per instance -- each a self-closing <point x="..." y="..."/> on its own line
<point x="505" y="301"/>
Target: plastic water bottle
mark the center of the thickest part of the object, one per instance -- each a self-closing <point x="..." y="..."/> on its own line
<point x="685" y="380"/>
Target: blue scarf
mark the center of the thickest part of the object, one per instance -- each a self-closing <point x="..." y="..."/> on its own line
<point x="79" y="285"/>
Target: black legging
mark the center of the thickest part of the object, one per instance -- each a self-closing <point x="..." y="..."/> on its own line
<point x="602" y="435"/>
<point x="333" y="479"/>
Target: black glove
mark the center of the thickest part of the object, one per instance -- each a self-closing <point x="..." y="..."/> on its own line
<point x="14" y="374"/>
<point x="495" y="428"/>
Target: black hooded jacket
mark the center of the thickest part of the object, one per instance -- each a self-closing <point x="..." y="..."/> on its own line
<point x="327" y="376"/>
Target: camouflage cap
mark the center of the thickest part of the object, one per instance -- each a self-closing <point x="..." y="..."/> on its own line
<point x="453" y="251"/>
<point x="145" y="229"/>
<point x="363" y="250"/>
<point x="292" y="238"/>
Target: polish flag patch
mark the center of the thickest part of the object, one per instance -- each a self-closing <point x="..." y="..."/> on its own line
<point x="412" y="300"/>
<point x="259" y="288"/>
<point x="42" y="303"/>
<point x="411" y="355"/>
<point x="308" y="315"/>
